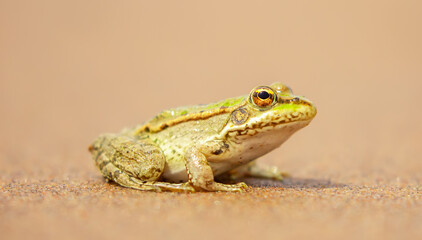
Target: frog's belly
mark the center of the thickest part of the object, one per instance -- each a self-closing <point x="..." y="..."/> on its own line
<point x="175" y="172"/>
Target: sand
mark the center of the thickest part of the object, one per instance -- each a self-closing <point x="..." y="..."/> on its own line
<point x="70" y="71"/>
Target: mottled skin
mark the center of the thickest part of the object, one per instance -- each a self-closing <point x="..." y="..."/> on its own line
<point x="183" y="149"/>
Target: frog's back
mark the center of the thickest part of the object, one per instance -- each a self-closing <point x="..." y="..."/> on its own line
<point x="178" y="115"/>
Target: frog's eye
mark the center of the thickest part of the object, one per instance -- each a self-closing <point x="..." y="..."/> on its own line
<point x="263" y="96"/>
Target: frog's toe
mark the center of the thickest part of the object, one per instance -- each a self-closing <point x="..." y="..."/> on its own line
<point x="280" y="176"/>
<point x="238" y="187"/>
<point x="175" y="187"/>
<point x="242" y="185"/>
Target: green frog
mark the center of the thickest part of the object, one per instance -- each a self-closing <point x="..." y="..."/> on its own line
<point x="184" y="149"/>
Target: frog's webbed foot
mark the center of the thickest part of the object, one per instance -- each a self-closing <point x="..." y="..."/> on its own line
<point x="133" y="163"/>
<point x="253" y="170"/>
<point x="238" y="187"/>
<point x="201" y="176"/>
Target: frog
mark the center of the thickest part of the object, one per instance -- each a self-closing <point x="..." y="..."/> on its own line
<point x="186" y="149"/>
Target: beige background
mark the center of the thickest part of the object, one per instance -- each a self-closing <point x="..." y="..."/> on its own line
<point x="70" y="70"/>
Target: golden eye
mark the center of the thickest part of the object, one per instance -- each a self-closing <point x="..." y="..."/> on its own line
<point x="263" y="96"/>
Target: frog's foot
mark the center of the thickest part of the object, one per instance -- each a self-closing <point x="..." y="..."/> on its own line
<point x="133" y="163"/>
<point x="201" y="176"/>
<point x="253" y="170"/>
<point x="215" y="186"/>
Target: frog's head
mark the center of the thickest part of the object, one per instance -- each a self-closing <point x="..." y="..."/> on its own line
<point x="269" y="117"/>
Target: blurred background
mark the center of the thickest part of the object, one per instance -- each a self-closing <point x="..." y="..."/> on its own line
<point x="70" y="70"/>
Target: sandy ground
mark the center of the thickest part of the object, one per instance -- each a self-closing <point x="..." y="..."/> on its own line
<point x="70" y="71"/>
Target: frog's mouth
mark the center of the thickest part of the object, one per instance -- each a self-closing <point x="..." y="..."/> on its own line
<point x="294" y="123"/>
<point x="277" y="118"/>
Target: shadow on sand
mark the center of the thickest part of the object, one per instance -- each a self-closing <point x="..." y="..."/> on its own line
<point x="289" y="182"/>
<point x="292" y="182"/>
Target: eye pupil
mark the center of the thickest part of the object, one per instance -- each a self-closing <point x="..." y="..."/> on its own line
<point x="263" y="95"/>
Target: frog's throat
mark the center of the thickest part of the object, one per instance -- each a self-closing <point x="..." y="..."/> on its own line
<point x="191" y="117"/>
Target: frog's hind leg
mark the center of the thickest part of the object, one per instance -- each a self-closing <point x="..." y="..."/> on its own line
<point x="133" y="163"/>
<point x="112" y="173"/>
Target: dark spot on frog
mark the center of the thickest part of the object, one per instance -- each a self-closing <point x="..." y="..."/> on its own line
<point x="98" y="155"/>
<point x="221" y="150"/>
<point x="117" y="173"/>
<point x="102" y="165"/>
<point x="217" y="152"/>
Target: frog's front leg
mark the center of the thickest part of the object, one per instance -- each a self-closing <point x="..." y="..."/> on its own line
<point x="133" y="163"/>
<point x="252" y="169"/>
<point x="201" y="176"/>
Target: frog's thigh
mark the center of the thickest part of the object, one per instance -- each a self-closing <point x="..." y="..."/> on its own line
<point x="252" y="169"/>
<point x="201" y="176"/>
<point x="132" y="163"/>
